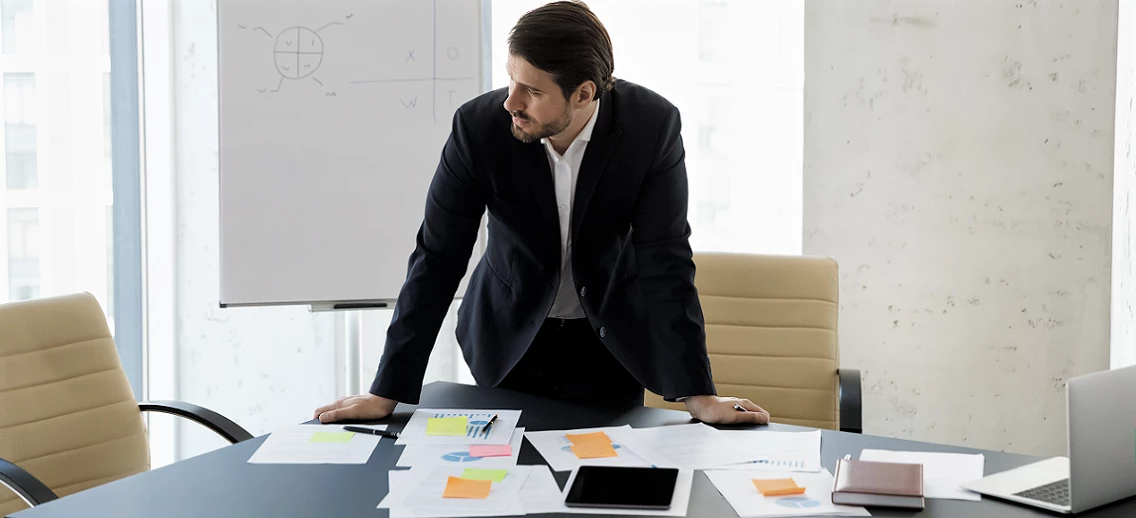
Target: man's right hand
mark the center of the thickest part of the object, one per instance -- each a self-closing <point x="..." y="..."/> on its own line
<point x="364" y="408"/>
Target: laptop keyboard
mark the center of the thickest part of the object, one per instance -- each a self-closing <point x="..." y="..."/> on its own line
<point x="1056" y="493"/>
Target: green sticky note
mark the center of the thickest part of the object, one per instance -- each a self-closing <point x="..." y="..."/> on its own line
<point x="446" y="426"/>
<point x="496" y="475"/>
<point x="332" y="436"/>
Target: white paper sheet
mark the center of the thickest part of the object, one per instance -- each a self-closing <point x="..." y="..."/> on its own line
<point x="557" y="450"/>
<point x="292" y="445"/>
<point x="500" y="433"/>
<point x="778" y="451"/>
<point x="540" y="494"/>
<point x="738" y="489"/>
<point x="686" y="446"/>
<point x="943" y="473"/>
<point x="417" y="493"/>
<point x="415" y="455"/>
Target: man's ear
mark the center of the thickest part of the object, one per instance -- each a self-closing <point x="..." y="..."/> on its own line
<point x="584" y="93"/>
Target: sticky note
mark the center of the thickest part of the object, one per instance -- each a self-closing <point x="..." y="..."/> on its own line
<point x="446" y="426"/>
<point x="594" y="450"/>
<point x="332" y="436"/>
<point x="777" y="487"/>
<point x="584" y="438"/>
<point x="487" y="450"/>
<point x="466" y="488"/>
<point x="493" y="475"/>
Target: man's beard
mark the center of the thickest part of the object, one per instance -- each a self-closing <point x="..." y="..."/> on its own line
<point x="543" y="131"/>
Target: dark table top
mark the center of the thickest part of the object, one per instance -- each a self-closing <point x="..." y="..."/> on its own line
<point x="222" y="483"/>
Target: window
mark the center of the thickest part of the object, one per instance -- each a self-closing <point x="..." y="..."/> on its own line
<point x="23" y="254"/>
<point x="15" y="21"/>
<point x="20" y="153"/>
<point x="734" y="68"/>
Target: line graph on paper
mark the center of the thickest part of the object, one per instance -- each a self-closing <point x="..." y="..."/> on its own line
<point x="475" y="432"/>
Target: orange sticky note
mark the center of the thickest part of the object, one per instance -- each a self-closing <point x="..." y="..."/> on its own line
<point x="586" y="438"/>
<point x="594" y="450"/>
<point x="464" y="488"/>
<point x="777" y="487"/>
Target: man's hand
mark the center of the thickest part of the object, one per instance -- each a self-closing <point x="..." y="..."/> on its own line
<point x="720" y="410"/>
<point x="364" y="407"/>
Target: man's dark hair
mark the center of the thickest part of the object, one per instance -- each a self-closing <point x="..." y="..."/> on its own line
<point x="567" y="40"/>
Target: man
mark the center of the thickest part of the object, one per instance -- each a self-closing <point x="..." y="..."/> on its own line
<point x="586" y="290"/>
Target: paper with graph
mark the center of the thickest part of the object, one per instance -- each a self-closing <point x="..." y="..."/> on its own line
<point x="778" y="451"/>
<point x="500" y="432"/>
<point x="556" y="449"/>
<point x="416" y="455"/>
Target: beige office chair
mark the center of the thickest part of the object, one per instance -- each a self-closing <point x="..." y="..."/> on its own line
<point x="68" y="418"/>
<point x="771" y="335"/>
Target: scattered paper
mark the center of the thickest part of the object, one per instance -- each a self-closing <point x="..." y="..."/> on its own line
<point x="447" y="426"/>
<point x="777" y="487"/>
<point x="417" y="493"/>
<point x="687" y="446"/>
<point x="737" y="486"/>
<point x="425" y="422"/>
<point x="491" y="450"/>
<point x="943" y="473"/>
<point x="778" y="451"/>
<point x="466" y="488"/>
<point x="316" y="444"/>
<point x="416" y="455"/>
<point x="492" y="475"/>
<point x="556" y="449"/>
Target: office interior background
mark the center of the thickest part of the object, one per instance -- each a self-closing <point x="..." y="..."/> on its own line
<point x="968" y="164"/>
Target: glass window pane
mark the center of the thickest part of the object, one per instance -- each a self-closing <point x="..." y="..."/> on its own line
<point x="15" y="25"/>
<point x="23" y="253"/>
<point x="20" y="138"/>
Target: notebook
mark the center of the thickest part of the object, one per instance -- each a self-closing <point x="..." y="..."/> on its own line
<point x="878" y="484"/>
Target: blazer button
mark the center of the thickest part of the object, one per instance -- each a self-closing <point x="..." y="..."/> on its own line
<point x="603" y="332"/>
<point x="584" y="291"/>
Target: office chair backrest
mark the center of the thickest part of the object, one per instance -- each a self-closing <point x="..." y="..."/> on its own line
<point x="67" y="413"/>
<point x="771" y="333"/>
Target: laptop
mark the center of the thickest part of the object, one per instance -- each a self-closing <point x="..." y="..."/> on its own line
<point x="1101" y="467"/>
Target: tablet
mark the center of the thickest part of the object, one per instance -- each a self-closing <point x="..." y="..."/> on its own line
<point x="622" y="488"/>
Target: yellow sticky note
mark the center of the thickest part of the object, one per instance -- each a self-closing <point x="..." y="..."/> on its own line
<point x="585" y="438"/>
<point x="494" y="475"/>
<point x="446" y="426"/>
<point x="777" y="487"/>
<point x="594" y="450"/>
<point x="465" y="488"/>
<point x="332" y="436"/>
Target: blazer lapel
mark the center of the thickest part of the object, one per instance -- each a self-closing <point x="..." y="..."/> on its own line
<point x="605" y="138"/>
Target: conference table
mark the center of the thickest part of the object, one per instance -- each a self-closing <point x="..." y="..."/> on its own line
<point x="221" y="483"/>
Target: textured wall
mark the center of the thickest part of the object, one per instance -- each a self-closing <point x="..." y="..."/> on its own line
<point x="959" y="166"/>
<point x="262" y="367"/>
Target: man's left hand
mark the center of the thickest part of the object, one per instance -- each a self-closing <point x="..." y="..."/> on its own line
<point x="720" y="410"/>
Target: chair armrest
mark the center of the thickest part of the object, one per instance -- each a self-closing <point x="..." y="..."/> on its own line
<point x="220" y="424"/>
<point x="851" y="407"/>
<point x="26" y="486"/>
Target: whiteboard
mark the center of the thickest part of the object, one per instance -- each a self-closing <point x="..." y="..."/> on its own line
<point x="333" y="115"/>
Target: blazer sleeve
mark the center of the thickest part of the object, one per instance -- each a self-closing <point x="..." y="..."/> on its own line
<point x="455" y="204"/>
<point x="661" y="237"/>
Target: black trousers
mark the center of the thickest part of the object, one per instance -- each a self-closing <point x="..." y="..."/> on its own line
<point x="567" y="361"/>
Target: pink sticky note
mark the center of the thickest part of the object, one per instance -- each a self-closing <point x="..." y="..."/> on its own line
<point x="503" y="450"/>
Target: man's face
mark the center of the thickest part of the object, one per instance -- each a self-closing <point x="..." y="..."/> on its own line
<point x="535" y="101"/>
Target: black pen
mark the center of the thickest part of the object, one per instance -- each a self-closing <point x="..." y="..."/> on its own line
<point x="490" y="423"/>
<point x="372" y="431"/>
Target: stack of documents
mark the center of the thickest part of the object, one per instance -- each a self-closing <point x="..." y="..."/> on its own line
<point x="452" y="437"/>
<point x="560" y="449"/>
<point x="316" y="444"/>
<point x="445" y="491"/>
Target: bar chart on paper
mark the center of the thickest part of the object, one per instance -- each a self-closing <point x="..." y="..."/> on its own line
<point x="476" y="431"/>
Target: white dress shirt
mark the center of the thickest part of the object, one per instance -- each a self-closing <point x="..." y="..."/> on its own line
<point x="565" y="171"/>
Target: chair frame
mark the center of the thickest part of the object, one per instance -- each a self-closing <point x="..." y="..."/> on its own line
<point x="34" y="492"/>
